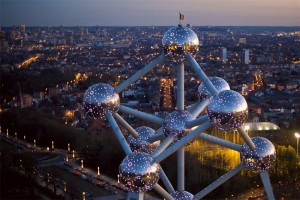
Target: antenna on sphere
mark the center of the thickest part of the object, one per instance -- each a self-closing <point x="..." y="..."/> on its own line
<point x="181" y="18"/>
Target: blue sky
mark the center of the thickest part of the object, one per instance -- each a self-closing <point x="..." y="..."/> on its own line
<point x="149" y="12"/>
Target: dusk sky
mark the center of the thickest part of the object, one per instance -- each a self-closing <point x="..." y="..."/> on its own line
<point x="149" y="12"/>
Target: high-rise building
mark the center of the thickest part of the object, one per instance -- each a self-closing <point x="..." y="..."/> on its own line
<point x="223" y="54"/>
<point x="246" y="56"/>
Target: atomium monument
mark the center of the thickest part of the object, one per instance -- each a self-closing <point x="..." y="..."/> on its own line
<point x="145" y="148"/>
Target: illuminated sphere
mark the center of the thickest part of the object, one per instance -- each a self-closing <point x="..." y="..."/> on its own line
<point x="261" y="158"/>
<point x="141" y="143"/>
<point x="179" y="40"/>
<point x="182" y="195"/>
<point x="100" y="98"/>
<point x="139" y="172"/>
<point x="219" y="83"/>
<point x="228" y="110"/>
<point x="175" y="123"/>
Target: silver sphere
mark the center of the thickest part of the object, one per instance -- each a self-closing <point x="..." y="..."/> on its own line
<point x="261" y="158"/>
<point x="179" y="40"/>
<point x="182" y="195"/>
<point x="175" y="123"/>
<point x="100" y="98"/>
<point x="139" y="172"/>
<point x="228" y="110"/>
<point x="141" y="143"/>
<point x="219" y="83"/>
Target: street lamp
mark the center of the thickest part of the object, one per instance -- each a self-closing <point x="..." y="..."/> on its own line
<point x="16" y="135"/>
<point x="81" y="164"/>
<point x="118" y="179"/>
<point x="52" y="144"/>
<point x="68" y="146"/>
<point x="34" y="143"/>
<point x="83" y="195"/>
<point x="297" y="136"/>
<point x="67" y="158"/>
<point x="7" y="133"/>
<point x="98" y="168"/>
<point x="24" y="138"/>
<point x="73" y="154"/>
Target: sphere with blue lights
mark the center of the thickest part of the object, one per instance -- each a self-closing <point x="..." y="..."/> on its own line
<point x="219" y="83"/>
<point x="180" y="40"/>
<point x="141" y="143"/>
<point x="262" y="158"/>
<point x="182" y="195"/>
<point x="100" y="98"/>
<point x="138" y="172"/>
<point x="228" y="110"/>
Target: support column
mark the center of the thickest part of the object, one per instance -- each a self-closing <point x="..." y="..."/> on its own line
<point x="135" y="196"/>
<point x="246" y="138"/>
<point x="126" y="125"/>
<point x="180" y="107"/>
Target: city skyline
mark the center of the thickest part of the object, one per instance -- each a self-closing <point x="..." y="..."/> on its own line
<point x="158" y="13"/>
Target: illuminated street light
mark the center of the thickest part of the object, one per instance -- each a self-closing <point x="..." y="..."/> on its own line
<point x="81" y="164"/>
<point x="73" y="154"/>
<point x="52" y="144"/>
<point x="83" y="195"/>
<point x="297" y="136"/>
<point x="68" y="146"/>
<point x="118" y="179"/>
<point x="67" y="158"/>
<point x="98" y="169"/>
<point x="24" y="138"/>
<point x="16" y="135"/>
<point x="7" y="133"/>
<point x="34" y="143"/>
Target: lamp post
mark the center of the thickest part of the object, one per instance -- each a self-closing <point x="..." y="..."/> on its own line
<point x="81" y="164"/>
<point x="297" y="136"/>
<point x="98" y="169"/>
<point x="7" y="133"/>
<point x="34" y="143"/>
<point x="68" y="146"/>
<point x="52" y="144"/>
<point x="73" y="154"/>
<point x="118" y="179"/>
<point x="83" y="195"/>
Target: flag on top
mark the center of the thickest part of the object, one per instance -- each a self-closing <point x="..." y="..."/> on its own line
<point x="181" y="16"/>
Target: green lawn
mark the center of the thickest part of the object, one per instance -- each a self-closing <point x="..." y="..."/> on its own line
<point x="76" y="182"/>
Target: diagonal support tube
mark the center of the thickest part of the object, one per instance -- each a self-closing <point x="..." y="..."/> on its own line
<point x="201" y="106"/>
<point x="221" y="142"/>
<point x="141" y="115"/>
<point x="197" y="121"/>
<point x="165" y="180"/>
<point x="163" y="145"/>
<point x="219" y="182"/>
<point x="126" y="125"/>
<point x="267" y="184"/>
<point x="118" y="133"/>
<point x="211" y="88"/>
<point x="246" y="138"/>
<point x="162" y="192"/>
<point x="140" y="73"/>
<point x="183" y="141"/>
<point x="159" y="135"/>
<point x="192" y="107"/>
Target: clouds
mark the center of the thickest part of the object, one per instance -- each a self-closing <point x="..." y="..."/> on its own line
<point x="145" y="12"/>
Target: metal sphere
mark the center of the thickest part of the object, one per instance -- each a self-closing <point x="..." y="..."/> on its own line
<point x="139" y="172"/>
<point x="179" y="40"/>
<point x="182" y="195"/>
<point x="175" y="123"/>
<point x="141" y="143"/>
<point x="261" y="158"/>
<point x="100" y="98"/>
<point x="228" y="110"/>
<point x="219" y="83"/>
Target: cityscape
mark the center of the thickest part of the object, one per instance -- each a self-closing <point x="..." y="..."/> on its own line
<point x="62" y="139"/>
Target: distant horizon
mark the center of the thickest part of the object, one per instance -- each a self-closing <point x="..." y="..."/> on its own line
<point x="147" y="13"/>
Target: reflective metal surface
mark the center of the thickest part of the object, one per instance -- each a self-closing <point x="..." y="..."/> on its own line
<point x="100" y="98"/>
<point x="219" y="83"/>
<point x="141" y="144"/>
<point x="182" y="195"/>
<point x="179" y="40"/>
<point x="260" y="159"/>
<point x="228" y="110"/>
<point x="138" y="172"/>
<point x="175" y="123"/>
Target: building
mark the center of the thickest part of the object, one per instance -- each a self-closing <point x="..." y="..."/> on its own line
<point x="223" y="54"/>
<point x="246" y="56"/>
<point x="242" y="41"/>
<point x="27" y="101"/>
